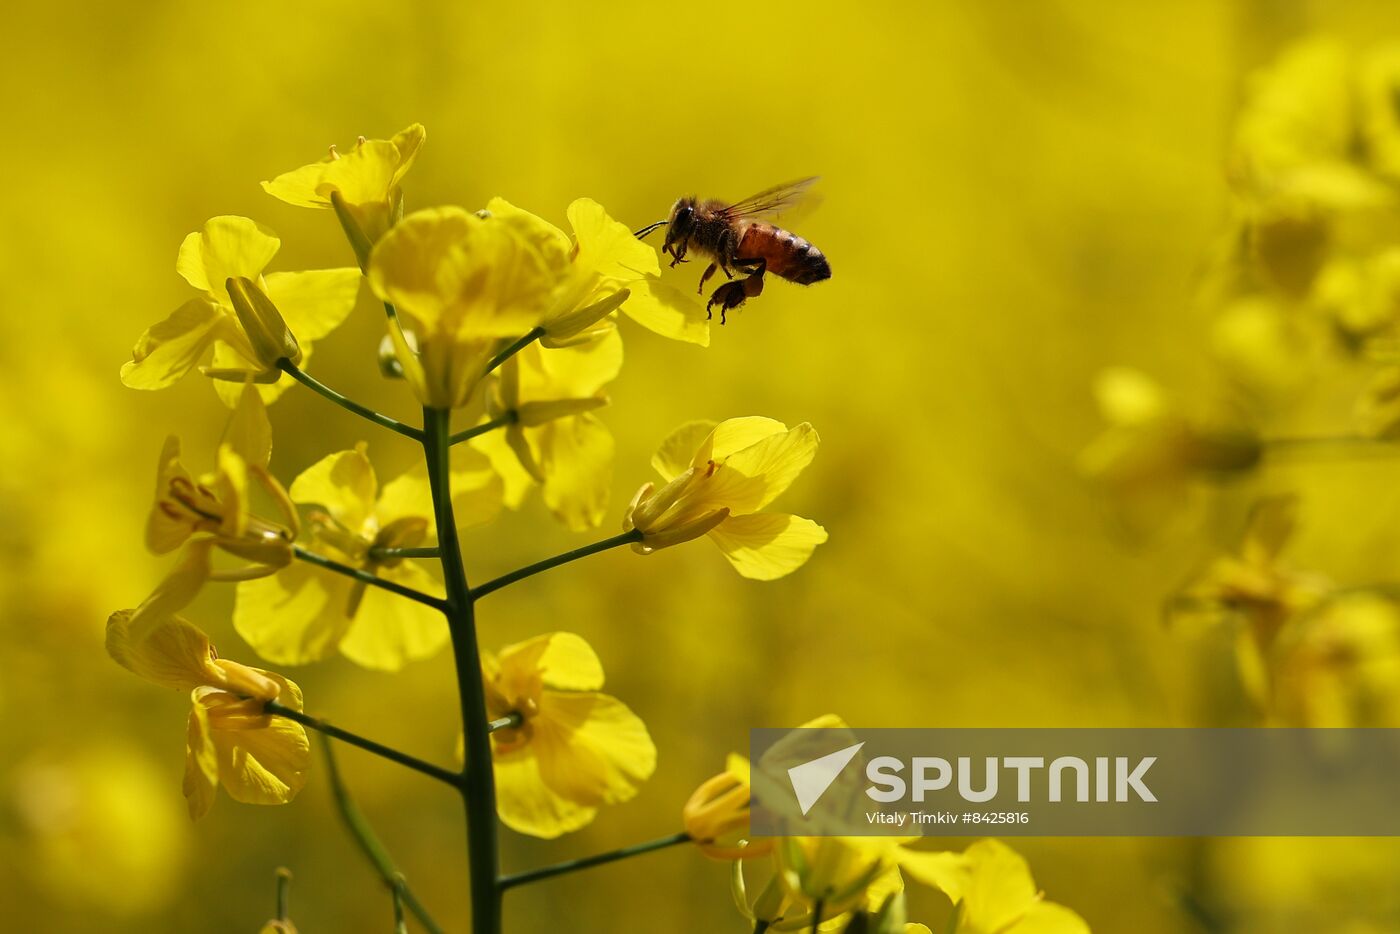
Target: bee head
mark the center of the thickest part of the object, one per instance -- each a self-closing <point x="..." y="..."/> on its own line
<point x="681" y="223"/>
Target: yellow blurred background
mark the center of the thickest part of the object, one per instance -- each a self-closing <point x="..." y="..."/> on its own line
<point x="1015" y="195"/>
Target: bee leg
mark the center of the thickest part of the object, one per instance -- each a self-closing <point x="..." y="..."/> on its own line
<point x="678" y="253"/>
<point x="709" y="271"/>
<point x="733" y="294"/>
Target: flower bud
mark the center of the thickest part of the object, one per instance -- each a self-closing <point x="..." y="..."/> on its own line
<point x="717" y="819"/>
<point x="268" y="335"/>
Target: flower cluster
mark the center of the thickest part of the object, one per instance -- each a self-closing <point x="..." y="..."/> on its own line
<point x="856" y="884"/>
<point x="511" y="324"/>
<point x="1305" y="293"/>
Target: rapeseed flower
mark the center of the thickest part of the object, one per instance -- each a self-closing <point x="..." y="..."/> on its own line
<point x="460" y="283"/>
<point x="552" y="438"/>
<point x="362" y="186"/>
<point x="992" y="887"/>
<point x="1254" y="590"/>
<point x="249" y="318"/>
<point x="718" y="477"/>
<point x="574" y="750"/>
<point x="609" y="269"/>
<point x="231" y="740"/>
<point x="716" y="816"/>
<point x="304" y="612"/>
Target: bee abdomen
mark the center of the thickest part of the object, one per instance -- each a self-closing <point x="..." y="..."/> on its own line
<point x="811" y="264"/>
<point x="787" y="255"/>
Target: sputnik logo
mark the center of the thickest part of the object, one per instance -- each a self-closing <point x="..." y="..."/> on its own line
<point x="810" y="780"/>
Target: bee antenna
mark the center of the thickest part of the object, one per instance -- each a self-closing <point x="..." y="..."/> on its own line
<point x="641" y="234"/>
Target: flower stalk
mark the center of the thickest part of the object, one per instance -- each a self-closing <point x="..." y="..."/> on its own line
<point x="365" y="577"/>
<point x="369" y="745"/>
<point x="369" y="842"/>
<point x="629" y="537"/>
<point x="598" y="859"/>
<point x="321" y="389"/>
<point x="477" y="784"/>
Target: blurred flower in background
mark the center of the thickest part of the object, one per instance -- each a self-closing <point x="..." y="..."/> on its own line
<point x="1019" y="196"/>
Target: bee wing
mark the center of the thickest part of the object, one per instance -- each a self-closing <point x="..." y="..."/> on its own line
<point x="772" y="201"/>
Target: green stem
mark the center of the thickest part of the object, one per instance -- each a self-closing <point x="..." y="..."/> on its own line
<point x="500" y="421"/>
<point x="379" y="554"/>
<point x="295" y="372"/>
<point x="369" y="843"/>
<point x="478" y="786"/>
<point x="817" y="916"/>
<point x="573" y="865"/>
<point x="525" y="340"/>
<point x="367" y="578"/>
<point x="284" y="881"/>
<point x="369" y="745"/>
<point x="626" y="538"/>
<point x="761" y="926"/>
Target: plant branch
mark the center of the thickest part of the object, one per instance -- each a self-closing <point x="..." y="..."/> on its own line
<point x="586" y="862"/>
<point x="369" y="843"/>
<point x="478" y="785"/>
<point x="368" y="745"/>
<point x="626" y="538"/>
<point x="365" y="577"/>
<point x="525" y="340"/>
<point x="296" y="373"/>
<point x="500" y="421"/>
<point x="379" y="554"/>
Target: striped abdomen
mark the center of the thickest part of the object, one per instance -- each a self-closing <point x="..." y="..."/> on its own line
<point x="787" y="255"/>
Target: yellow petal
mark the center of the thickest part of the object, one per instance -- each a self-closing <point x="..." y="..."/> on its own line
<point x="774" y="461"/>
<point x="315" y="302"/>
<point x="676" y="453"/>
<point x="766" y="546"/>
<point x="576" y="457"/>
<point x="534" y="228"/>
<point x="388" y="630"/>
<point x="201" y="763"/>
<point x="227" y="357"/>
<point x="228" y="247"/>
<point x="999" y="889"/>
<point x="343" y="484"/>
<point x="606" y="246"/>
<point x="172" y="653"/>
<point x="574" y="372"/>
<point x="249" y="433"/>
<point x="527" y="805"/>
<point x="166" y="531"/>
<point x="559" y="660"/>
<point x="363" y="175"/>
<point x="169" y="349"/>
<point x="294" y="617"/>
<point x="299" y="186"/>
<point x="176" y="591"/>
<point x="515" y="479"/>
<point x="668" y="311"/>
<point x="408" y="141"/>
<point x="591" y="748"/>
<point x="266" y="765"/>
<point x="1050" y="918"/>
<point x="946" y="871"/>
<point x="461" y="276"/>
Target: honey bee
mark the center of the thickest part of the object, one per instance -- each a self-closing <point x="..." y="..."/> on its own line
<point x="737" y="237"/>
